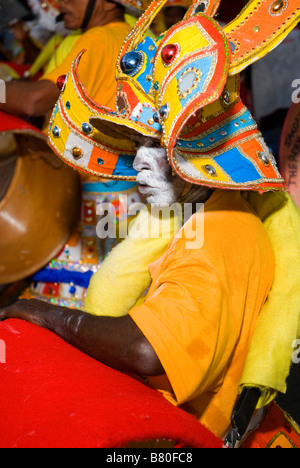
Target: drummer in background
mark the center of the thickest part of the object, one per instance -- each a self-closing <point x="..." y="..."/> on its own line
<point x="104" y="31"/>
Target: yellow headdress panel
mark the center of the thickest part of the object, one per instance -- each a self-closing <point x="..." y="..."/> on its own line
<point x="190" y="71"/>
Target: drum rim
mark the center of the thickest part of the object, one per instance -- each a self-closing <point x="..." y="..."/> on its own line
<point x="9" y="192"/>
<point x="9" y="277"/>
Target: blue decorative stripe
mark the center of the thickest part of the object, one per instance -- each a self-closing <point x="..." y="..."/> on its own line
<point x="124" y="166"/>
<point x="145" y="116"/>
<point x="110" y="186"/>
<point x="149" y="54"/>
<point x="216" y="137"/>
<point x="239" y="168"/>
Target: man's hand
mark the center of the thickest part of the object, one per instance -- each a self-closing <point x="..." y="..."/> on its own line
<point x="31" y="99"/>
<point x="30" y="310"/>
<point x="116" y="342"/>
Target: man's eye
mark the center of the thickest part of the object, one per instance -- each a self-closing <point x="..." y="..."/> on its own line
<point x="156" y="144"/>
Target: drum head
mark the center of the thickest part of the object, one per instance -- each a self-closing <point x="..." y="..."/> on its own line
<point x="289" y="153"/>
<point x="39" y="207"/>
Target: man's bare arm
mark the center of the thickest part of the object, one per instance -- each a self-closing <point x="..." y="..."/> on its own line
<point x="116" y="342"/>
<point x="31" y="99"/>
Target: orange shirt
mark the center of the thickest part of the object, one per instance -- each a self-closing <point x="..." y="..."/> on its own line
<point x="97" y="69"/>
<point x="201" y="308"/>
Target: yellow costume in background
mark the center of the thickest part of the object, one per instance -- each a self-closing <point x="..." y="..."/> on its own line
<point x="269" y="358"/>
<point x="54" y="53"/>
<point x="59" y="47"/>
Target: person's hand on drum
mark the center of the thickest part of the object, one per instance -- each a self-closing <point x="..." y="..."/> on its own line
<point x="32" y="310"/>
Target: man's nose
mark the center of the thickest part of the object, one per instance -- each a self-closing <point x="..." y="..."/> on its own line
<point x="142" y="160"/>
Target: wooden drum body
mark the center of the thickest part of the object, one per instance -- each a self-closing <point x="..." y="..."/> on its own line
<point x="39" y="206"/>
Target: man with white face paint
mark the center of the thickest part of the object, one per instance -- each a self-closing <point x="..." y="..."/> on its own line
<point x="165" y="339"/>
<point x="154" y="176"/>
<point x="155" y="179"/>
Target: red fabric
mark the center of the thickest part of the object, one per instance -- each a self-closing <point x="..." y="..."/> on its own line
<point x="277" y="430"/>
<point x="9" y="122"/>
<point x="54" y="396"/>
<point x="19" y="68"/>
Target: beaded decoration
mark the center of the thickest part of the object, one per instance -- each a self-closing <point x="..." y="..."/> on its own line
<point x="72" y="137"/>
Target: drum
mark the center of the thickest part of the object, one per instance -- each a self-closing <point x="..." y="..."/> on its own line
<point x="39" y="206"/>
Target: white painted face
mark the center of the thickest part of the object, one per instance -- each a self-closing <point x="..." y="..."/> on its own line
<point x="155" y="180"/>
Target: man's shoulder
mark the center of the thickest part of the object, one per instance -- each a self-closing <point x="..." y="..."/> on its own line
<point x="102" y="37"/>
<point x="225" y="222"/>
<point x="107" y="29"/>
<point x="230" y="207"/>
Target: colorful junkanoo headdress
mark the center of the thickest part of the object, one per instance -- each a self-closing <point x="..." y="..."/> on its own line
<point x="183" y="89"/>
